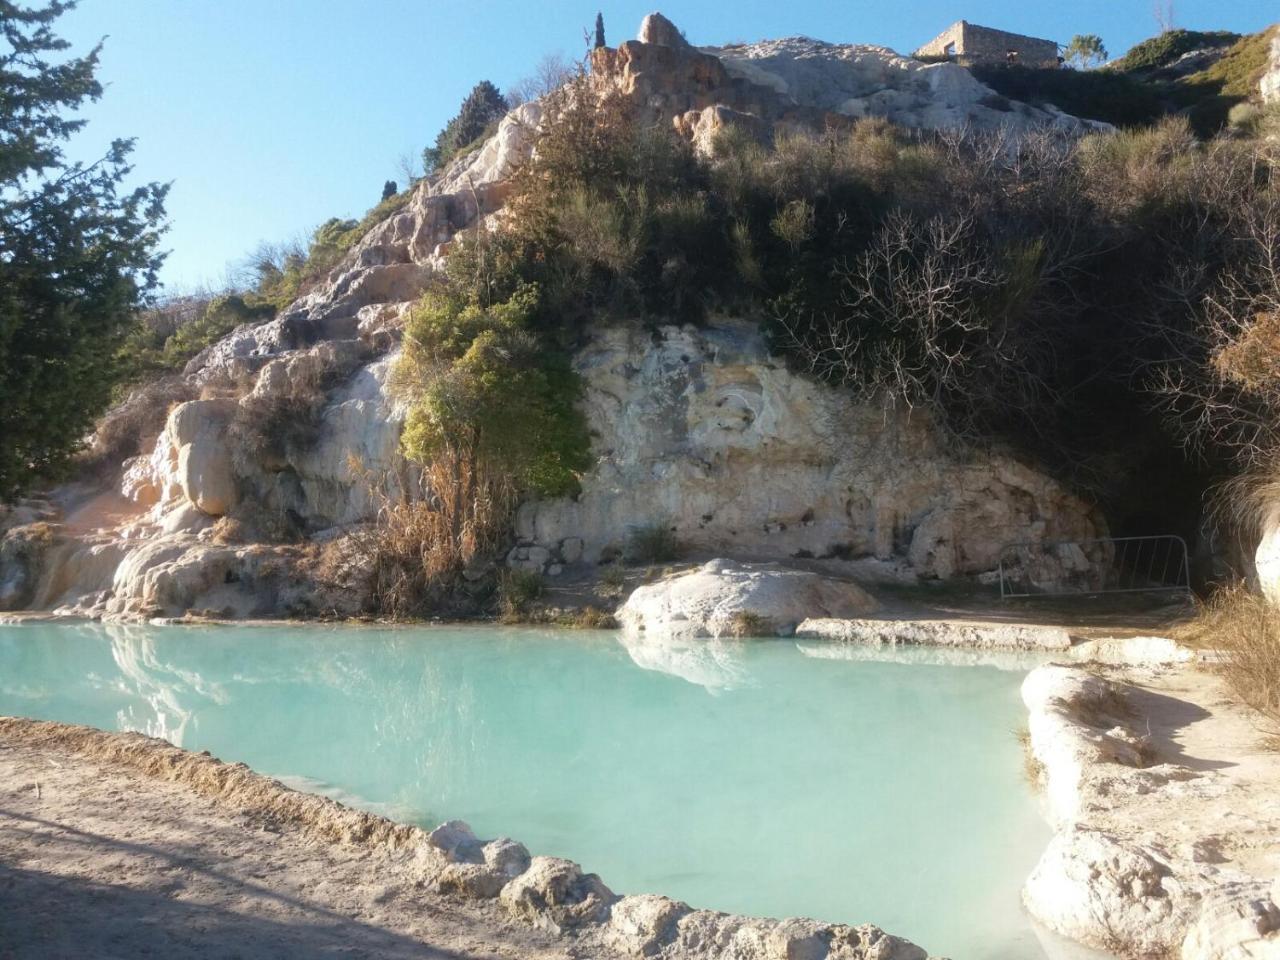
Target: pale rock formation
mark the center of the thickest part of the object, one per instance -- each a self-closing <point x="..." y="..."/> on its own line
<point x="1266" y="558"/>
<point x="722" y="598"/>
<point x="942" y="633"/>
<point x="861" y="80"/>
<point x="555" y="895"/>
<point x="1132" y="652"/>
<point x="702" y="431"/>
<point x="657" y="29"/>
<point x="194" y="458"/>
<point x="1269" y="85"/>
<point x="1152" y="856"/>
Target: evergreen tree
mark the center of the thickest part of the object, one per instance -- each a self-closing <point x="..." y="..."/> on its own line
<point x="599" y="30"/>
<point x="389" y="190"/>
<point x="484" y="105"/>
<point x="77" y="250"/>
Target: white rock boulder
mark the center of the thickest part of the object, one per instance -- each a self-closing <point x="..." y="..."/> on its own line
<point x="194" y="446"/>
<point x="722" y="598"/>
<point x="1269" y="86"/>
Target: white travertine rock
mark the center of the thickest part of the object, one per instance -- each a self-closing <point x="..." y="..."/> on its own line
<point x="1132" y="651"/>
<point x="1149" y="857"/>
<point x="702" y="430"/>
<point x="722" y="598"/>
<point x="944" y="633"/>
<point x="657" y="29"/>
<point x="1269" y="85"/>
<point x="862" y="80"/>
<point x="1266" y="559"/>
<point x="555" y="895"/>
<point x="199" y="454"/>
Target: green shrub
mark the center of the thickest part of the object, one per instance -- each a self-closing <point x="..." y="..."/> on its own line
<point x="166" y="338"/>
<point x="651" y="543"/>
<point x="484" y="387"/>
<point x="517" y="590"/>
<point x="1112" y="97"/>
<point x="1162" y="50"/>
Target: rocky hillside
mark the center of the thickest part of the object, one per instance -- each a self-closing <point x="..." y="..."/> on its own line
<point x="282" y="445"/>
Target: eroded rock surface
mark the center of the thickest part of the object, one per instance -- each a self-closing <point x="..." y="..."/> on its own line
<point x="701" y="431"/>
<point x="723" y="598"/>
<point x="1162" y="795"/>
<point x="1269" y="86"/>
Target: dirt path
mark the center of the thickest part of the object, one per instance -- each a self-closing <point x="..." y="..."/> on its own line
<point x="98" y="862"/>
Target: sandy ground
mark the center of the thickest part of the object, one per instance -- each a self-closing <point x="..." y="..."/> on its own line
<point x="1193" y="721"/>
<point x="97" y="862"/>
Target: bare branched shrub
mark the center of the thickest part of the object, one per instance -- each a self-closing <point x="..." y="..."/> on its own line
<point x="1222" y="389"/>
<point x="132" y="426"/>
<point x="909" y="319"/>
<point x="550" y="73"/>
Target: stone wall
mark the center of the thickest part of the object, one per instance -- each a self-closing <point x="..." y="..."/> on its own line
<point x="974" y="44"/>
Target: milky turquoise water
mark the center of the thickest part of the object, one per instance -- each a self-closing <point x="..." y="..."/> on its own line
<point x="764" y="777"/>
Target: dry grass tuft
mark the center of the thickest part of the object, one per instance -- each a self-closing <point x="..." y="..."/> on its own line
<point x="1105" y="708"/>
<point x="1032" y="769"/>
<point x="612" y="581"/>
<point x="429" y="531"/>
<point x="1245" y="628"/>
<point x="588" y="618"/>
<point x="518" y="590"/>
<point x="744" y="623"/>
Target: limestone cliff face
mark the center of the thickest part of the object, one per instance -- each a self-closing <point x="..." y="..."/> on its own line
<point x="702" y="431"/>
<point x="1270" y="83"/>
<point x="252" y="476"/>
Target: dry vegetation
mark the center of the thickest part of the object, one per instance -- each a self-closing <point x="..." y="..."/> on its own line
<point x="1245" y="627"/>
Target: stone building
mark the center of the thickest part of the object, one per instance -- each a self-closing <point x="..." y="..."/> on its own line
<point x="968" y="44"/>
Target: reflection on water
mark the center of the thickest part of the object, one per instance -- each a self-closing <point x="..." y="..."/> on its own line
<point x="769" y="777"/>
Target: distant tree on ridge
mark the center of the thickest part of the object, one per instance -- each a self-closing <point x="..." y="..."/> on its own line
<point x="1085" y="50"/>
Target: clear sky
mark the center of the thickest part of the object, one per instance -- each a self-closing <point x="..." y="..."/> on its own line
<point x="269" y="116"/>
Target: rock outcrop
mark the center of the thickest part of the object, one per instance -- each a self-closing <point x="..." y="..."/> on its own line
<point x="724" y="599"/>
<point x="1156" y="853"/>
<point x="285" y="430"/>
<point x="1269" y="86"/>
<point x="779" y="85"/>
<point x="700" y="430"/>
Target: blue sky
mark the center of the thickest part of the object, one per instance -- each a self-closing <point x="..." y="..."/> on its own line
<point x="269" y="116"/>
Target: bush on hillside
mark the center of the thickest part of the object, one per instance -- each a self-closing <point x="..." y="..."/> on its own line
<point x="1162" y="50"/>
<point x="166" y="338"/>
<point x="1113" y="97"/>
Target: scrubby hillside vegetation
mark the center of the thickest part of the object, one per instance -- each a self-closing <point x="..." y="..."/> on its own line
<point x="1081" y="301"/>
<point x="1203" y="76"/>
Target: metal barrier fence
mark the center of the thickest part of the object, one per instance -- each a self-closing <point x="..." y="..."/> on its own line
<point x="1157" y="564"/>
